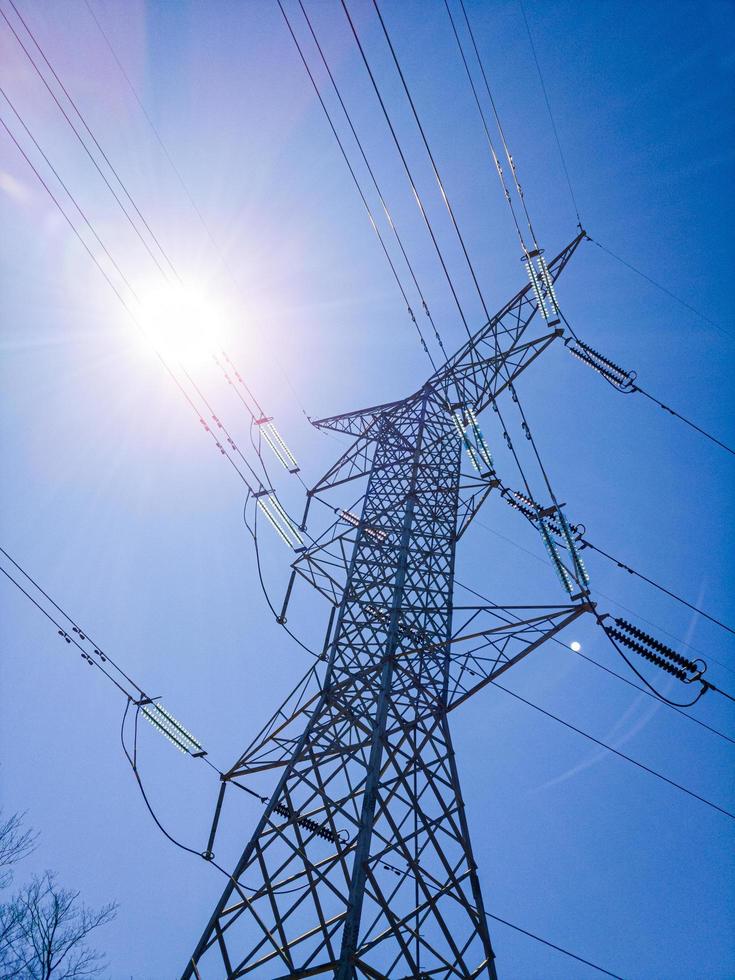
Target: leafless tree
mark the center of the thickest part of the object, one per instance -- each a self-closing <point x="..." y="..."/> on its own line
<point x="16" y="842"/>
<point x="48" y="928"/>
<point x="44" y="928"/>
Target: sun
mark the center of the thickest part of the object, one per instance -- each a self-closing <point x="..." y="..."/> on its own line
<point x="182" y="323"/>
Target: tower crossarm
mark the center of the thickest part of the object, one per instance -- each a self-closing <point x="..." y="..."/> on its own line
<point x="477" y="373"/>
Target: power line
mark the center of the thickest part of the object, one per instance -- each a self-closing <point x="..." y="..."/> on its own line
<point x="431" y="159"/>
<point x="501" y="131"/>
<point x="661" y="588"/>
<point x="559" y="949"/>
<point x="354" y="176"/>
<point x="374" y="180"/>
<point x="123" y="301"/>
<point x="604" y="595"/>
<point x="664" y="289"/>
<point x="218" y="250"/>
<point x="129" y="217"/>
<point x="617" y="752"/>
<point x="491" y="145"/>
<point x="79" y="137"/>
<point x="407" y="169"/>
<point x="611" y="672"/>
<point x="551" y="114"/>
<point x="683" y="418"/>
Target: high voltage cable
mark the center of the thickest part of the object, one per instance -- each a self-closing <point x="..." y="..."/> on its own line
<point x="525" y="932"/>
<point x="124" y="303"/>
<point x="609" y="670"/>
<point x="638" y="272"/>
<point x="559" y="949"/>
<point x="551" y="114"/>
<point x="584" y="543"/>
<point x="56" y="174"/>
<point x="374" y="180"/>
<point x="126" y="213"/>
<point x="431" y="158"/>
<point x="411" y="181"/>
<point x="353" y="174"/>
<point x="155" y="132"/>
<point x="663" y="289"/>
<point x="661" y="588"/>
<point x="220" y="254"/>
<point x="496" y="114"/>
<point x="78" y="134"/>
<point x="617" y="752"/>
<point x="213" y="417"/>
<point x="626" y="381"/>
<point x="491" y="145"/>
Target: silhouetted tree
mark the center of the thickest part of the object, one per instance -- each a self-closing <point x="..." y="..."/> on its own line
<point x="44" y="928"/>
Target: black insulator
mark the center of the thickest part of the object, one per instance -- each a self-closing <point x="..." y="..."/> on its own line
<point x="614" y="379"/>
<point x="666" y="651"/>
<point x="646" y="654"/>
<point x="600" y="357"/>
<point x="319" y="830"/>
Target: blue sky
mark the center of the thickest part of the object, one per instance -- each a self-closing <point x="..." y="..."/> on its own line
<point x="113" y="498"/>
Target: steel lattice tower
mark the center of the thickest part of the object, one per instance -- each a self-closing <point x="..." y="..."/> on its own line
<point x="361" y="865"/>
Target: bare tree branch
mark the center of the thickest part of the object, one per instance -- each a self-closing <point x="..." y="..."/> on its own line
<point x="43" y="933"/>
<point x="15" y="844"/>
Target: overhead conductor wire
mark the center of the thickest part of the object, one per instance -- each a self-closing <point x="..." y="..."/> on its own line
<point x="214" y="418"/>
<point x="653" y="282"/>
<point x="434" y="167"/>
<point x="409" y="175"/>
<point x="351" y="169"/>
<point x="127" y="214"/>
<point x="378" y="191"/>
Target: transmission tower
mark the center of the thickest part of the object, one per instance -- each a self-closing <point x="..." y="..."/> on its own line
<point x="361" y="865"/>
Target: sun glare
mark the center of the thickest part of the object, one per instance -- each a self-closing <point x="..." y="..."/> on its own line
<point x="182" y="323"/>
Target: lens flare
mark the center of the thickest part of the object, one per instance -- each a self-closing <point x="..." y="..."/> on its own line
<point x="181" y="322"/>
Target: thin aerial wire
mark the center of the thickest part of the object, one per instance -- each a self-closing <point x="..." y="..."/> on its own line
<point x="356" y="182"/>
<point x="71" y="197"/>
<point x="544" y="561"/>
<point x="559" y="949"/>
<point x="551" y="114"/>
<point x="374" y="180"/>
<point x="431" y="158"/>
<point x="156" y="133"/>
<point x="84" y="123"/>
<point x="65" y="614"/>
<point x="218" y="250"/>
<point x="63" y="632"/>
<point x="664" y="289"/>
<point x="496" y="114"/>
<point x="511" y="925"/>
<point x="122" y="299"/>
<point x="488" y="137"/>
<point x="608" y="670"/>
<point x="409" y="175"/>
<point x="81" y="140"/>
<point x="622" y="755"/>
<point x="115" y="195"/>
<point x="661" y="588"/>
<point x="683" y="418"/>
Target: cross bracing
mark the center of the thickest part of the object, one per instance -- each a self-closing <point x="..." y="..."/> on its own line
<point x="361" y="865"/>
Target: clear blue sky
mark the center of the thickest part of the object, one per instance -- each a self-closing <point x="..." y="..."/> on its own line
<point x="112" y="496"/>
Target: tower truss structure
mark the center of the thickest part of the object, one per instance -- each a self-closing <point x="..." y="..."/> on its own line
<point x="361" y="865"/>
